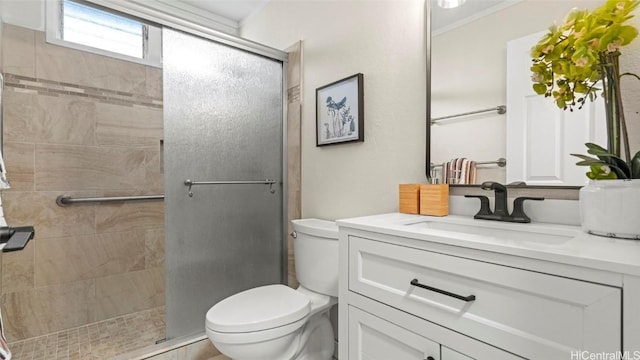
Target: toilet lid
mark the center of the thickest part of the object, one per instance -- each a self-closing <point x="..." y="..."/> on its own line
<point x="258" y="309"/>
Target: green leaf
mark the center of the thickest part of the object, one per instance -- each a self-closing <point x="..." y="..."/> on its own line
<point x="585" y="157"/>
<point x="589" y="162"/>
<point x="598" y="152"/>
<point x="540" y="89"/>
<point x="618" y="165"/>
<point x="635" y="166"/>
<point x="620" y="174"/>
<point x="627" y="33"/>
<point x="621" y="167"/>
<point x="593" y="146"/>
<point x="598" y="172"/>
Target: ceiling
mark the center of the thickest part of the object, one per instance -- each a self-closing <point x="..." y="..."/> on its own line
<point x="236" y="10"/>
<point x="446" y="19"/>
<point x="442" y="19"/>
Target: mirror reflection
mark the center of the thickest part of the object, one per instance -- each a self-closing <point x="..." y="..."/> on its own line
<point x="469" y="73"/>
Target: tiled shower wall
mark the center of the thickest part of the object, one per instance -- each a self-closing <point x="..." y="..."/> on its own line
<point x="83" y="125"/>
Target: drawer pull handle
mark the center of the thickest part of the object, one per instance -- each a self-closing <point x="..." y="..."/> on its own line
<point x="415" y="282"/>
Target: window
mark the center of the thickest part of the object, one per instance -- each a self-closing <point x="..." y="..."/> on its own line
<point x="83" y="26"/>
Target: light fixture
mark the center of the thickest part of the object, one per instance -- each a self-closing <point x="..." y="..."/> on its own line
<point x="448" y="4"/>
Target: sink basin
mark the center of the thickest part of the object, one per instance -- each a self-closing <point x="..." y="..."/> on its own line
<point x="505" y="233"/>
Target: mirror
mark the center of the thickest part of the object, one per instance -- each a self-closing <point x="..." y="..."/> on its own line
<point x="468" y="73"/>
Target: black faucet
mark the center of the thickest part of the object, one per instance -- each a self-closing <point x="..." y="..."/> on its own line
<point x="500" y="198"/>
<point x="500" y="212"/>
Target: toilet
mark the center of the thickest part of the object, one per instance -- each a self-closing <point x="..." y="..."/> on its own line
<point x="276" y="322"/>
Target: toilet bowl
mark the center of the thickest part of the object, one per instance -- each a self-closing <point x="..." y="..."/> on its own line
<point x="276" y="322"/>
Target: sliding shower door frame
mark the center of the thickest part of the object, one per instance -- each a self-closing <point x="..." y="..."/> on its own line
<point x="190" y="265"/>
<point x="170" y="20"/>
<point x="176" y="20"/>
<point x="165" y="17"/>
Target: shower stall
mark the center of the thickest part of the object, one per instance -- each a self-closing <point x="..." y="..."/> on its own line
<point x="117" y="268"/>
<point x="223" y="111"/>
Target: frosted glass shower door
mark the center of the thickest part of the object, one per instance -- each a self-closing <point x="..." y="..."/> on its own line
<point x="223" y="116"/>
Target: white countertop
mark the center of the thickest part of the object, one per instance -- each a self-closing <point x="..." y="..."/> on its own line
<point x="566" y="244"/>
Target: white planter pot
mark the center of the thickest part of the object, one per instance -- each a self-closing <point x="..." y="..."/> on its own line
<point x="611" y="208"/>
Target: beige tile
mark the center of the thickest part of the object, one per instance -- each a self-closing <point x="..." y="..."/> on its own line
<point x="154" y="248"/>
<point x="128" y="126"/>
<point x="50" y="220"/>
<point x="18" y="269"/>
<point x="49" y="309"/>
<point x="153" y="171"/>
<point x="19" y="158"/>
<point x="36" y="118"/>
<point x="294" y="180"/>
<point x="201" y="350"/>
<point x="129" y="292"/>
<point x="117" y="336"/>
<point x="79" y="67"/>
<point x="73" y="258"/>
<point x="19" y="111"/>
<point x="220" y="357"/>
<point x="18" y="50"/>
<point x="154" y="82"/>
<point x="129" y="216"/>
<point x="169" y="355"/>
<point x="65" y="167"/>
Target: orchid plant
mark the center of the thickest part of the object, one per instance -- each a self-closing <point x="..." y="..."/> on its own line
<point x="573" y="59"/>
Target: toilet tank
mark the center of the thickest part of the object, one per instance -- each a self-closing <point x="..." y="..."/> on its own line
<point x="315" y="250"/>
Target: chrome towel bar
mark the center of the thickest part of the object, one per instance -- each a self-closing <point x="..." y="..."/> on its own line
<point x="501" y="162"/>
<point x="191" y="183"/>
<point x="66" y="200"/>
<point x="501" y="109"/>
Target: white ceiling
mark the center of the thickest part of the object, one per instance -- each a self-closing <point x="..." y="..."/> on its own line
<point x="442" y="19"/>
<point x="236" y="10"/>
<point x="445" y="19"/>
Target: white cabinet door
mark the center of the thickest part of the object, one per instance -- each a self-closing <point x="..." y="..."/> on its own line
<point x="371" y="338"/>
<point x="541" y="137"/>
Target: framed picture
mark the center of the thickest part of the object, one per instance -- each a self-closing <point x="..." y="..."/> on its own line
<point x="340" y="111"/>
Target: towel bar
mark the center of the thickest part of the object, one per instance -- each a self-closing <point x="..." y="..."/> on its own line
<point x="65" y="200"/>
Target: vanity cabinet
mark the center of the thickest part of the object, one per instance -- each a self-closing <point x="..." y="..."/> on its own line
<point x="374" y="338"/>
<point x="403" y="296"/>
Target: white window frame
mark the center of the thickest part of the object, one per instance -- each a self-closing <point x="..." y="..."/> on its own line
<point x="152" y="51"/>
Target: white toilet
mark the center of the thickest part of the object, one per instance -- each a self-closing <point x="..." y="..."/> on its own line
<point x="275" y="322"/>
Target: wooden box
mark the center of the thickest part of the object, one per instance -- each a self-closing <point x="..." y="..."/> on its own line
<point x="434" y="199"/>
<point x="409" y="198"/>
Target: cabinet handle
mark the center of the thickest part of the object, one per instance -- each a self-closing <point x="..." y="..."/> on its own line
<point x="415" y="282"/>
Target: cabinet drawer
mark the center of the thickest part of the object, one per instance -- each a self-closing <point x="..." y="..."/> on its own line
<point x="530" y="314"/>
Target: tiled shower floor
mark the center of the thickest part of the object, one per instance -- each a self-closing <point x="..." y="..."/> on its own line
<point x="99" y="340"/>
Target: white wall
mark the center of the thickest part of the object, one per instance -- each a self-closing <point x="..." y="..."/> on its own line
<point x="469" y="73"/>
<point x="25" y="13"/>
<point x="385" y="41"/>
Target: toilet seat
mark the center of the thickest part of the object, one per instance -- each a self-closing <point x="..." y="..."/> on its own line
<point x="258" y="309"/>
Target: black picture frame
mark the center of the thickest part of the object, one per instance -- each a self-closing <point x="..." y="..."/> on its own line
<point x="340" y="111"/>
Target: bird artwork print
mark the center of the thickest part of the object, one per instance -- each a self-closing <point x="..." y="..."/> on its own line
<point x="342" y="121"/>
